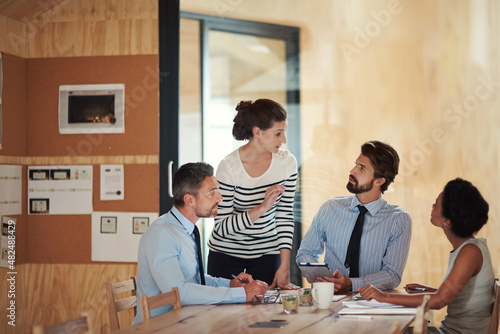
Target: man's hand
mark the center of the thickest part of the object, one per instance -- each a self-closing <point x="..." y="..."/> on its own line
<point x="341" y="283"/>
<point x="255" y="288"/>
<point x="241" y="280"/>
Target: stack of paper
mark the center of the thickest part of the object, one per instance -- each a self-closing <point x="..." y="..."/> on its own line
<point x="374" y="307"/>
<point x="336" y="298"/>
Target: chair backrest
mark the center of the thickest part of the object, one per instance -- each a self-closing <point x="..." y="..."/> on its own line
<point x="115" y="306"/>
<point x="78" y="325"/>
<point x="422" y="317"/>
<point x="495" y="315"/>
<point x="153" y="302"/>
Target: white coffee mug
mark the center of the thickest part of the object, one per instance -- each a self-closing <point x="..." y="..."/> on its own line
<point x="323" y="294"/>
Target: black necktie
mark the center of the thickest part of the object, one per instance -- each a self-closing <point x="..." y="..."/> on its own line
<point x="200" y="259"/>
<point x="352" y="256"/>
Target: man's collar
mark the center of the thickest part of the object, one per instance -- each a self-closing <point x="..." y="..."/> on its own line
<point x="372" y="207"/>
<point x="178" y="216"/>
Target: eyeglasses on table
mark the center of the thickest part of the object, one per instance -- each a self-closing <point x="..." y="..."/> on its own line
<point x="266" y="299"/>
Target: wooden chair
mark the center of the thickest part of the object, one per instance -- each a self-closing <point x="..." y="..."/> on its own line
<point x="78" y="325"/>
<point x="495" y="315"/>
<point x="153" y="302"/>
<point x="115" y="306"/>
<point x="422" y="317"/>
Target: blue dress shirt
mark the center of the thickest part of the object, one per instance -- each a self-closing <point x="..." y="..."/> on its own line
<point x="385" y="241"/>
<point x="168" y="258"/>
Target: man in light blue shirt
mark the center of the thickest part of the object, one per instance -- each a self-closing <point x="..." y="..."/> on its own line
<point x="168" y="254"/>
<point x="385" y="232"/>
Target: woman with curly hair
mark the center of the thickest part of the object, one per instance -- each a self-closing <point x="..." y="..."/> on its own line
<point x="468" y="286"/>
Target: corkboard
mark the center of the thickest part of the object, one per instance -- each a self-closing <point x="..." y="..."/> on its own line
<point x="14" y="132"/>
<point x="138" y="73"/>
<point x="67" y="238"/>
<point x="13" y="106"/>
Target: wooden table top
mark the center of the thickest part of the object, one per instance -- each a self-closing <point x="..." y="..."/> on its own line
<point x="236" y="318"/>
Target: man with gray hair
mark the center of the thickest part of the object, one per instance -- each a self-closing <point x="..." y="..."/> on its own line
<point x="170" y="254"/>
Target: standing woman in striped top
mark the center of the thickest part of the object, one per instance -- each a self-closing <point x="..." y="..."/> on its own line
<point x="254" y="225"/>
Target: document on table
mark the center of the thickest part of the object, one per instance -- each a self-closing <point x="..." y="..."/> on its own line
<point x="368" y="304"/>
<point x="379" y="310"/>
<point x="336" y="298"/>
<point x="374" y="307"/>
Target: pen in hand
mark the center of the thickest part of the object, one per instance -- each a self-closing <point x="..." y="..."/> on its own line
<point x="234" y="276"/>
<point x="417" y="288"/>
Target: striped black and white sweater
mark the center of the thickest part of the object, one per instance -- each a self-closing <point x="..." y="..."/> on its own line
<point x="234" y="234"/>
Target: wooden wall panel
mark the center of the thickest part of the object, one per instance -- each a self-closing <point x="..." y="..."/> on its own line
<point x="26" y="10"/>
<point x="51" y="293"/>
<point x="12" y="37"/>
<point x="95" y="38"/>
<point x="78" y="28"/>
<point x="423" y="76"/>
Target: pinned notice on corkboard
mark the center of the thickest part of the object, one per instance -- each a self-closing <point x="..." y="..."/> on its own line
<point x="63" y="190"/>
<point x="116" y="235"/>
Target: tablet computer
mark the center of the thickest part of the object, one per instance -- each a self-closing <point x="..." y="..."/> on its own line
<point x="270" y="324"/>
<point x="312" y="270"/>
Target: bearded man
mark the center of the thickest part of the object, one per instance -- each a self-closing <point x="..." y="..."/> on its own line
<point x="365" y="239"/>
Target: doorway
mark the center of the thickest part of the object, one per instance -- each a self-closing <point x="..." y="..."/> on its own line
<point x="222" y="61"/>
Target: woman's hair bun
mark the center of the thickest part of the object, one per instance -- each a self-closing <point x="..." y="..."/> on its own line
<point x="243" y="105"/>
<point x="261" y="113"/>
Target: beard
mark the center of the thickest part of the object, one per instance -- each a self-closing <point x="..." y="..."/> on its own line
<point x="207" y="213"/>
<point x="359" y="189"/>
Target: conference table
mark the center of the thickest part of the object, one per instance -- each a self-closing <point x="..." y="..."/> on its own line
<point x="239" y="318"/>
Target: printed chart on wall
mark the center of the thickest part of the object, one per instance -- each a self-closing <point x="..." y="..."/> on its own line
<point x="60" y="190"/>
<point x="11" y="186"/>
<point x="116" y="235"/>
